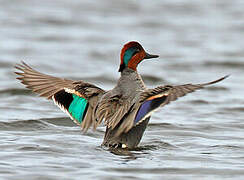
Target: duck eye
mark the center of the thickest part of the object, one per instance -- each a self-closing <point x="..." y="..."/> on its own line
<point x="136" y="51"/>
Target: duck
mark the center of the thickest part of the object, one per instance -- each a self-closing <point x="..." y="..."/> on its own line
<point x="125" y="110"/>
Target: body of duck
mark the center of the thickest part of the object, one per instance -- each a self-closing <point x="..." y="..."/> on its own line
<point x="125" y="110"/>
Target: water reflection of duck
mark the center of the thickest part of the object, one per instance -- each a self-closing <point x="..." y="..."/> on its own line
<point x="126" y="109"/>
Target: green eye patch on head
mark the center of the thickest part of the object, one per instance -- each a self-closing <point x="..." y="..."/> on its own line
<point x="129" y="53"/>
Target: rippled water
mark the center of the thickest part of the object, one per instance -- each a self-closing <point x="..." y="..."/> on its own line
<point x="200" y="136"/>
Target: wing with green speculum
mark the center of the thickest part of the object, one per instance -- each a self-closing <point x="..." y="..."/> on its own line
<point x="76" y="98"/>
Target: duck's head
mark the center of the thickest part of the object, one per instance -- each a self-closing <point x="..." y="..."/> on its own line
<point x="132" y="54"/>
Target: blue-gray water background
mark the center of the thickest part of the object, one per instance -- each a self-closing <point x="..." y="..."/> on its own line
<point x="200" y="136"/>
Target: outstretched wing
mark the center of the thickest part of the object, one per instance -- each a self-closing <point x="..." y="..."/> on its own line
<point x="151" y="99"/>
<point x="76" y="98"/>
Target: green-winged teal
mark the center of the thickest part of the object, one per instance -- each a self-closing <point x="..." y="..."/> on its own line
<point x="125" y="110"/>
